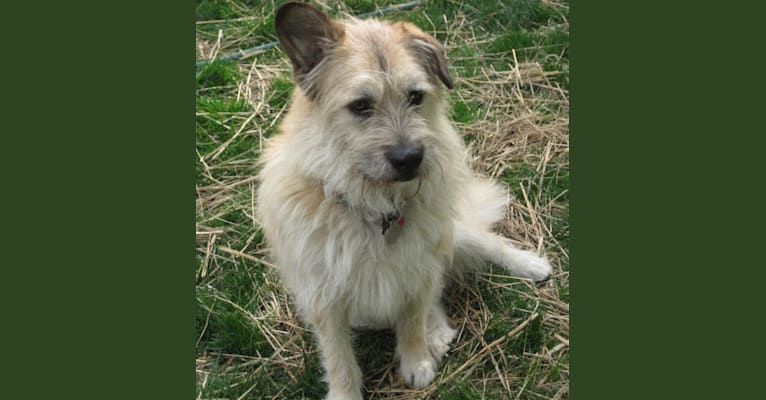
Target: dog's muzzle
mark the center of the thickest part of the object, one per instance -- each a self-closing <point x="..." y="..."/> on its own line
<point x="405" y="159"/>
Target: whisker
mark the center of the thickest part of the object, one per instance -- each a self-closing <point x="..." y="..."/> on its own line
<point x="444" y="181"/>
<point x="420" y="182"/>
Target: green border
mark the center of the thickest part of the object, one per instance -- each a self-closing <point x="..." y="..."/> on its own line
<point x="98" y="285"/>
<point x="663" y="171"/>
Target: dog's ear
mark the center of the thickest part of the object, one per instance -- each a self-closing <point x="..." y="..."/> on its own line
<point x="431" y="52"/>
<point x="306" y="34"/>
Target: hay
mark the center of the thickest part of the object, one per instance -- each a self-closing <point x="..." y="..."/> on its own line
<point x="522" y="122"/>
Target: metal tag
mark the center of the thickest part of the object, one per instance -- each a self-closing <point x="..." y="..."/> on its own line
<point x="394" y="229"/>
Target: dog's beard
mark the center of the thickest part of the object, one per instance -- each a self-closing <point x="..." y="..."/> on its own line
<point x="372" y="196"/>
<point x="380" y="196"/>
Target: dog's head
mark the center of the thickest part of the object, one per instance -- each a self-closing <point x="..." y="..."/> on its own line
<point x="375" y="87"/>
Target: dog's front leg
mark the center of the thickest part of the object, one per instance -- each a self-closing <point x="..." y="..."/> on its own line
<point x="344" y="376"/>
<point x="418" y="366"/>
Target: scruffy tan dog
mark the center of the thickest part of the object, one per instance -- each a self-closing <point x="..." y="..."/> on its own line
<point x="366" y="199"/>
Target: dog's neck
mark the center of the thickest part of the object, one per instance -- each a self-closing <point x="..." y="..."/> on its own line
<point x="394" y="207"/>
<point x="384" y="205"/>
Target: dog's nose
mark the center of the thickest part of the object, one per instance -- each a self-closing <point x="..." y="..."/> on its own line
<point x="405" y="159"/>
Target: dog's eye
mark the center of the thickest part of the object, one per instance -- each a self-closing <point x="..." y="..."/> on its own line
<point x="361" y="107"/>
<point x="416" y="97"/>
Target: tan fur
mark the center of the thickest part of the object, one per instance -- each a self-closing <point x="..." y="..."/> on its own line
<point x="326" y="184"/>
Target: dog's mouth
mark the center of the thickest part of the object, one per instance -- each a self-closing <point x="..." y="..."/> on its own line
<point x="395" y="177"/>
<point x="406" y="176"/>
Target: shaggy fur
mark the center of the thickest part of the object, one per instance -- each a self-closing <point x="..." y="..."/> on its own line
<point x="327" y="185"/>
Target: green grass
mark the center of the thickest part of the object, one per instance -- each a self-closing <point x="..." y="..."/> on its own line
<point x="510" y="63"/>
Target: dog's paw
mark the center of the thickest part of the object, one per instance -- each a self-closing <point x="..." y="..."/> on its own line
<point x="532" y="266"/>
<point x="418" y="374"/>
<point x="439" y="339"/>
<point x="341" y="395"/>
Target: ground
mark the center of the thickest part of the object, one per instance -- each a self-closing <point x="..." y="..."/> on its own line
<point x="510" y="64"/>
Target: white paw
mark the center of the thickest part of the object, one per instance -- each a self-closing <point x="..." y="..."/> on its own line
<point x="339" y="395"/>
<point x="532" y="266"/>
<point x="418" y="374"/>
<point x="439" y="340"/>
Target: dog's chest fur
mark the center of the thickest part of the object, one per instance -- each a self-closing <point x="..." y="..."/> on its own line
<point x="330" y="253"/>
<point x="384" y="275"/>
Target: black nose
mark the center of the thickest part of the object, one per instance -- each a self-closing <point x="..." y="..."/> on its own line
<point x="405" y="159"/>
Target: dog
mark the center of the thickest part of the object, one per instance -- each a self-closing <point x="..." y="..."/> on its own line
<point x="365" y="197"/>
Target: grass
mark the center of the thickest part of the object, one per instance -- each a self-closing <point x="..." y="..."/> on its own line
<point x="509" y="61"/>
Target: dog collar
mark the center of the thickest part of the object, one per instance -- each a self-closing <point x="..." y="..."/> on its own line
<point x="391" y="224"/>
